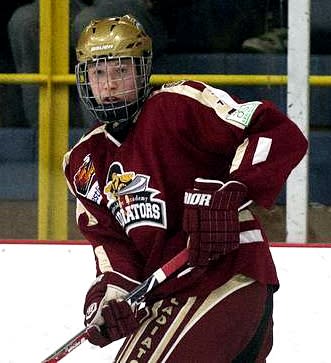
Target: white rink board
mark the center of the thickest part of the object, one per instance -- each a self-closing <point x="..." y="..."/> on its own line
<point x="43" y="289"/>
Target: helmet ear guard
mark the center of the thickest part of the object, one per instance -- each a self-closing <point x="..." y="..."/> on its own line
<point x="114" y="39"/>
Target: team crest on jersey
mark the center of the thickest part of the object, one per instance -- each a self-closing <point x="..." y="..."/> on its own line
<point x="131" y="200"/>
<point x="85" y="181"/>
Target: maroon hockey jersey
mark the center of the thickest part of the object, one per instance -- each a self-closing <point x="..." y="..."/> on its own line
<point x="130" y="194"/>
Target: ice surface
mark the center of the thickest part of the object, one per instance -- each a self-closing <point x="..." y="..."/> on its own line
<point x="43" y="289"/>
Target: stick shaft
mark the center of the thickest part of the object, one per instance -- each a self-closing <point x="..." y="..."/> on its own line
<point x="67" y="347"/>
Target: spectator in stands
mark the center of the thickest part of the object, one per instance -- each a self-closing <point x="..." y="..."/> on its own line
<point x="8" y="93"/>
<point x="23" y="31"/>
<point x="188" y="25"/>
<point x="273" y="39"/>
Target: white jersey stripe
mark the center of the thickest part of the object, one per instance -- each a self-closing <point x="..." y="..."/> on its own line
<point x="262" y="150"/>
<point x="254" y="235"/>
<point x="238" y="158"/>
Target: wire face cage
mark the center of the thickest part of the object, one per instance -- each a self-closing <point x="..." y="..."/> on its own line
<point x="113" y="88"/>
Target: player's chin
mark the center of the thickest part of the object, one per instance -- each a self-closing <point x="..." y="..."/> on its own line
<point x="114" y="102"/>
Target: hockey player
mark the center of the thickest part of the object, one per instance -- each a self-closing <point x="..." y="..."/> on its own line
<point x="167" y="168"/>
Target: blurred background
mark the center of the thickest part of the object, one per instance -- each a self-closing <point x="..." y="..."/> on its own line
<point x="239" y="46"/>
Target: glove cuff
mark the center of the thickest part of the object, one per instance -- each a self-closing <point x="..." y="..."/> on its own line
<point x="214" y="194"/>
<point x="230" y="196"/>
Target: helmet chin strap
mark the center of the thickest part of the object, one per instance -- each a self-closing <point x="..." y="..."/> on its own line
<point x="119" y="129"/>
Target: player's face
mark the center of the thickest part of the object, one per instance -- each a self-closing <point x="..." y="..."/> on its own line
<point x="113" y="81"/>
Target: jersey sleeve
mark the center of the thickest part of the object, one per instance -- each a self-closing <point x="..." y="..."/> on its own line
<point x="272" y="147"/>
<point x="254" y="142"/>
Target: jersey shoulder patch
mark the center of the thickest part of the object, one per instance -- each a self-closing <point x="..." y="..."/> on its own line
<point x="243" y="114"/>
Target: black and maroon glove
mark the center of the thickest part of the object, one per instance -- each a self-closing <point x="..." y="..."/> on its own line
<point x="107" y="316"/>
<point x="211" y="219"/>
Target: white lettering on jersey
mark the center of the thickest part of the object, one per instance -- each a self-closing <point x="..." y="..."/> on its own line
<point x="201" y="199"/>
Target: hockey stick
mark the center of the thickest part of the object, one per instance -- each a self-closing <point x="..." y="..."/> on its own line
<point x="134" y="297"/>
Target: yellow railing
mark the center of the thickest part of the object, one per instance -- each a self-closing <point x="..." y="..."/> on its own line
<point x="54" y="79"/>
<point x="157" y="79"/>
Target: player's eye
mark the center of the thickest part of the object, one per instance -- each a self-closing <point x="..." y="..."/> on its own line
<point x="121" y="70"/>
<point x="100" y="71"/>
<point x="95" y="72"/>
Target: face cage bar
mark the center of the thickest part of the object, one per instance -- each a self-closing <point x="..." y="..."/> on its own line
<point x="117" y="110"/>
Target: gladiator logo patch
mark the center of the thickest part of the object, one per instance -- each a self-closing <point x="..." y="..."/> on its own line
<point x="85" y="181"/>
<point x="244" y="113"/>
<point x="131" y="201"/>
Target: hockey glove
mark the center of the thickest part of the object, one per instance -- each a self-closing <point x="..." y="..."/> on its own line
<point x="211" y="219"/>
<point x="107" y="316"/>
